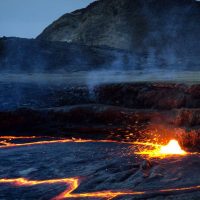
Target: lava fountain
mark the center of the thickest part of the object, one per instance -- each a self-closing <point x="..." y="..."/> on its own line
<point x="172" y="148"/>
<point x="160" y="151"/>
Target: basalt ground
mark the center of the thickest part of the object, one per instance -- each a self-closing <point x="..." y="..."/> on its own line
<point x="103" y="168"/>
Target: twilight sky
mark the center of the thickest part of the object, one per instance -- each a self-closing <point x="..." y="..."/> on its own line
<point x="27" y="18"/>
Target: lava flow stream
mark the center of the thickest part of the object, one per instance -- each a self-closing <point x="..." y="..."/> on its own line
<point x="148" y="149"/>
<point x="6" y="144"/>
<point x="73" y="184"/>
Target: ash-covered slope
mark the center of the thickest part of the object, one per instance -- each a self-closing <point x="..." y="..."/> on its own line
<point x="139" y="25"/>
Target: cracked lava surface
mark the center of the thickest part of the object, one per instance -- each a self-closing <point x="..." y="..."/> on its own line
<point x="49" y="168"/>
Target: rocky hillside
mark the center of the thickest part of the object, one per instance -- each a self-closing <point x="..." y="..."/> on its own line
<point x="152" y="34"/>
<point x="140" y="25"/>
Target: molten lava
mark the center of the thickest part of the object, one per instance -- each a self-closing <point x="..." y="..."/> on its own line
<point x="148" y="149"/>
<point x="73" y="184"/>
<point x="172" y="148"/>
<point x="7" y="142"/>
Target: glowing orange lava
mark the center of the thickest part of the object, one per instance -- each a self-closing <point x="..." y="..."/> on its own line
<point x="155" y="150"/>
<point x="18" y="137"/>
<point x="73" y="184"/>
<point x="6" y="143"/>
<point x="172" y="148"/>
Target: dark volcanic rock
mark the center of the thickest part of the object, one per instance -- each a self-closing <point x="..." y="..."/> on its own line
<point x="100" y="121"/>
<point x="162" y="96"/>
<point x="120" y="111"/>
<point x="136" y="95"/>
<point x="167" y="30"/>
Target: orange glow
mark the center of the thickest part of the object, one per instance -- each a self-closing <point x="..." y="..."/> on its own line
<point x="172" y="148"/>
<point x="7" y="142"/>
<point x="145" y="148"/>
<point x="73" y="183"/>
<point x="17" y="137"/>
